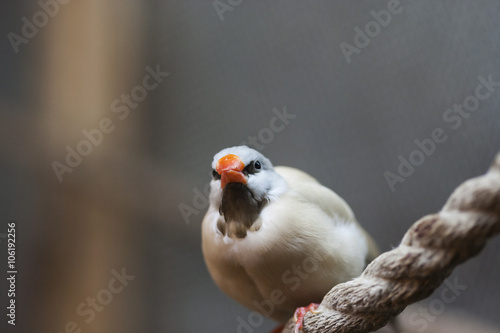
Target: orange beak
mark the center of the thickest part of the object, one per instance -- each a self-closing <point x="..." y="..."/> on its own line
<point x="230" y="169"/>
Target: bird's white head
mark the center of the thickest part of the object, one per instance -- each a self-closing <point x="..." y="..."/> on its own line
<point x="243" y="183"/>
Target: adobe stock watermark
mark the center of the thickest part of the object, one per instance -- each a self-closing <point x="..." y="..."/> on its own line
<point x="265" y="136"/>
<point x="372" y="29"/>
<point x="223" y="6"/>
<point x="453" y="118"/>
<point x="421" y="318"/>
<point x="293" y="279"/>
<point x="30" y="28"/>
<point x="89" y="308"/>
<point x="121" y="107"/>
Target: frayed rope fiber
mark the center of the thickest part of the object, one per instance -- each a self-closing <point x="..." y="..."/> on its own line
<point x="428" y="253"/>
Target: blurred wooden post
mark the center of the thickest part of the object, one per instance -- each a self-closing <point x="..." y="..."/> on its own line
<point x="89" y="58"/>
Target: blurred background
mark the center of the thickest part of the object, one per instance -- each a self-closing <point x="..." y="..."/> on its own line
<point x="112" y="110"/>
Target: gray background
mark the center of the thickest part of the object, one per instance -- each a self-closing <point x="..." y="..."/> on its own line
<point x="352" y="122"/>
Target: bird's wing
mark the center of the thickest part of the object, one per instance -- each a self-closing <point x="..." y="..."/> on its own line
<point x="312" y="191"/>
<point x="327" y="200"/>
<point x="294" y="174"/>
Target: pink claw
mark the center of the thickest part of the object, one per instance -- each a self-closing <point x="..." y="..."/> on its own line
<point x="299" y="314"/>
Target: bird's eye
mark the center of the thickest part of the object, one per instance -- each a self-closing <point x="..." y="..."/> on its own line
<point x="253" y="167"/>
<point x="215" y="175"/>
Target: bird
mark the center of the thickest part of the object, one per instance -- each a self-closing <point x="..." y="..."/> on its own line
<point x="274" y="239"/>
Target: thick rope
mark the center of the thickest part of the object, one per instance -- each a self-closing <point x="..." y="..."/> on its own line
<point x="428" y="253"/>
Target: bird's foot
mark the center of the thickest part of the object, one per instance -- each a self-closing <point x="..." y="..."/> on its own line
<point x="299" y="314"/>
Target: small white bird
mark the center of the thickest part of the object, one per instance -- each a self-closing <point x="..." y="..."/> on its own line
<point x="274" y="238"/>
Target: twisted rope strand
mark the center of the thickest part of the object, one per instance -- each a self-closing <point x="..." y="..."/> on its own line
<point x="428" y="253"/>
